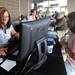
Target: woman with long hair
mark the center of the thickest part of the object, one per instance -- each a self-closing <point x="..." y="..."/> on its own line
<point x="6" y="30"/>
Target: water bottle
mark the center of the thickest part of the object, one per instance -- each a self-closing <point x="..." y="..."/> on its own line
<point x="50" y="43"/>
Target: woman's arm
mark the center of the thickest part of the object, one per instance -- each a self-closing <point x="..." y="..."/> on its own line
<point x="15" y="34"/>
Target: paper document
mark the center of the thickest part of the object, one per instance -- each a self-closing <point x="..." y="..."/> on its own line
<point x="8" y="64"/>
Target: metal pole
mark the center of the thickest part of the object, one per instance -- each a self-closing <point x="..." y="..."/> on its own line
<point x="28" y="7"/>
<point x="35" y="4"/>
<point x="19" y="8"/>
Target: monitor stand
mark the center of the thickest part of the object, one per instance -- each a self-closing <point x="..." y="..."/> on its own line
<point x="42" y="50"/>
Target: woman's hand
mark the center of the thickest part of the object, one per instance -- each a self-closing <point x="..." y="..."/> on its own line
<point x="37" y="17"/>
<point x="3" y="51"/>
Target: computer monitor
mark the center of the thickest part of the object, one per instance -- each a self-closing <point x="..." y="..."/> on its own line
<point x="31" y="32"/>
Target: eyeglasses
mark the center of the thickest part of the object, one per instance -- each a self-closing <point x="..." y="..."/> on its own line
<point x="5" y="16"/>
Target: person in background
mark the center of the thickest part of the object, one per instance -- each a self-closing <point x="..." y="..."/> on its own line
<point x="70" y="45"/>
<point x="6" y="30"/>
<point x="33" y="15"/>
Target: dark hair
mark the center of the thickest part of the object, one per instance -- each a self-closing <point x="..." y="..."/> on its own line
<point x="71" y="21"/>
<point x="2" y="11"/>
<point x="32" y="10"/>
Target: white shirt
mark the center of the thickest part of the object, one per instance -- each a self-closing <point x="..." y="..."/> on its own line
<point x="4" y="37"/>
<point x="30" y="18"/>
<point x="70" y="68"/>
